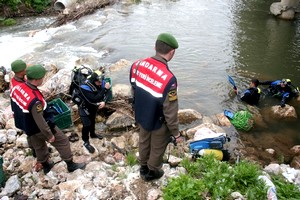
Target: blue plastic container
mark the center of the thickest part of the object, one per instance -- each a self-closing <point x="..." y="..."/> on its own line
<point x="209" y="143"/>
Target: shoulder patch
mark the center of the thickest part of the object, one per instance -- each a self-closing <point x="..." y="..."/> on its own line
<point x="39" y="107"/>
<point x="172" y="95"/>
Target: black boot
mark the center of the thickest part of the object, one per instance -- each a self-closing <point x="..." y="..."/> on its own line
<point x="73" y="166"/>
<point x="143" y="171"/>
<point x="47" y="166"/>
<point x="89" y="147"/>
<point x="154" y="174"/>
<point x="100" y="137"/>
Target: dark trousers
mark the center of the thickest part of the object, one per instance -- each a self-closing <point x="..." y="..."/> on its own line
<point x="152" y="146"/>
<point x="61" y="144"/>
<point x="88" y="122"/>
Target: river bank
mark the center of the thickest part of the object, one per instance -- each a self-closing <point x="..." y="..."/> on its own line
<point x="255" y="147"/>
<point x="109" y="174"/>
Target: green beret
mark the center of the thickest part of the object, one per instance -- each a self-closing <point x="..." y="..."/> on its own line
<point x="35" y="72"/>
<point x="18" y="66"/>
<point x="168" y="39"/>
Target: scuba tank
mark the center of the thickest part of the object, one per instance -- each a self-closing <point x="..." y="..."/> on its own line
<point x="218" y="154"/>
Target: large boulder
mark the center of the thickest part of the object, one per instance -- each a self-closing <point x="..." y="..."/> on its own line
<point x="285" y="9"/>
<point x="287" y="112"/>
<point x="187" y="116"/>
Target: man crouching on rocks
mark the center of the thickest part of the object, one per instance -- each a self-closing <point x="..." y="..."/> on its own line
<point x="30" y="111"/>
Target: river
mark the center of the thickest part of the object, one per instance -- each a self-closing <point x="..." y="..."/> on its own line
<point x="216" y="38"/>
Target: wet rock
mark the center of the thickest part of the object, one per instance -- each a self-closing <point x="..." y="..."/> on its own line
<point x="296" y="150"/>
<point x="284" y="9"/>
<point x="287" y="15"/>
<point x="288" y="112"/>
<point x="221" y="120"/>
<point x="187" y="116"/>
<point x="119" y="65"/>
<point x="277" y="8"/>
<point x="270" y="151"/>
<point x="296" y="162"/>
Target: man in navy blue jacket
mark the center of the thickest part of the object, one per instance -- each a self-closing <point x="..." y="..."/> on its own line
<point x="155" y="105"/>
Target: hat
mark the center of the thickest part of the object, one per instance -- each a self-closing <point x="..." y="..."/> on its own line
<point x="168" y="39"/>
<point x="286" y="81"/>
<point x="35" y="72"/>
<point x="95" y="76"/>
<point x="18" y="66"/>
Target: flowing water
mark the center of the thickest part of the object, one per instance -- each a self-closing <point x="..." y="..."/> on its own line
<point x="216" y="39"/>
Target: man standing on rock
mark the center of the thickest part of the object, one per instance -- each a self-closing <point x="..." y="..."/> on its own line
<point x="155" y="105"/>
<point x="94" y="97"/>
<point x="19" y="69"/>
<point x="30" y="109"/>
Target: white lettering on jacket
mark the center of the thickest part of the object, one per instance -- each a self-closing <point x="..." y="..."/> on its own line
<point x="154" y="69"/>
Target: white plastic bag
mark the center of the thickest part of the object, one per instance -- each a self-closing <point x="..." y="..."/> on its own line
<point x="204" y="133"/>
<point x="271" y="194"/>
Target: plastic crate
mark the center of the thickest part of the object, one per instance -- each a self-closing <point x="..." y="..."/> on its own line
<point x="64" y="119"/>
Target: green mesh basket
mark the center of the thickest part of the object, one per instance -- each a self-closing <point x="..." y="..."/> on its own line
<point x="242" y="120"/>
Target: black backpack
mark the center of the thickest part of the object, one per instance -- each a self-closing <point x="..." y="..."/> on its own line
<point x="78" y="76"/>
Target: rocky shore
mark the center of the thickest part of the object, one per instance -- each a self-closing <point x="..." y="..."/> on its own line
<point x="108" y="174"/>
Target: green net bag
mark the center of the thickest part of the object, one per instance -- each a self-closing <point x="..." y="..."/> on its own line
<point x="242" y="120"/>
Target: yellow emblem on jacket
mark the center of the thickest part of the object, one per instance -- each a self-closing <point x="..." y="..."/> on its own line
<point x="39" y="107"/>
<point x="172" y="95"/>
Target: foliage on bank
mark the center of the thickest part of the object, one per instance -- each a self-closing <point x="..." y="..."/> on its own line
<point x="208" y="177"/>
<point x="19" y="8"/>
<point x="37" y="5"/>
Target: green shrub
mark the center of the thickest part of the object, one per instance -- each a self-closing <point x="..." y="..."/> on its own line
<point x="37" y="5"/>
<point x="183" y="187"/>
<point x="193" y="168"/>
<point x="131" y="159"/>
<point x="284" y="189"/>
<point x="9" y="22"/>
<point x="13" y="4"/>
<point x="211" y="178"/>
<point x="245" y="174"/>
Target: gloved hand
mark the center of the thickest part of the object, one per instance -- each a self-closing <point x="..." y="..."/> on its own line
<point x="235" y="90"/>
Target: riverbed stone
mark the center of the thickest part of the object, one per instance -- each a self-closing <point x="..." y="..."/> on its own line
<point x="288" y="112"/>
<point x="296" y="150"/>
<point x="288" y="14"/>
<point x="296" y="162"/>
<point x="187" y="116"/>
<point x="119" y="65"/>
